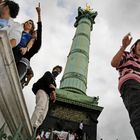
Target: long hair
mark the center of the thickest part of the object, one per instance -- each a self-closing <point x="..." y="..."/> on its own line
<point x="133" y="48"/>
<point x="33" y="25"/>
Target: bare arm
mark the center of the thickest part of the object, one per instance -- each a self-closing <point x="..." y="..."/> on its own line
<point x="117" y="58"/>
<point x="53" y="96"/>
<point x="28" y="47"/>
<point x="30" y="44"/>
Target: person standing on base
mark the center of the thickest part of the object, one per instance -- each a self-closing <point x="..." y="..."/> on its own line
<point x="81" y="130"/>
<point x="44" y="89"/>
<point x="128" y="65"/>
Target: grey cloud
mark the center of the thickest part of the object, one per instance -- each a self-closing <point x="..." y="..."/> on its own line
<point x="122" y="14"/>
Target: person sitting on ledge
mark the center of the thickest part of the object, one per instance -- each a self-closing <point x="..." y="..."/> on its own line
<point x="32" y="47"/>
<point x="22" y="48"/>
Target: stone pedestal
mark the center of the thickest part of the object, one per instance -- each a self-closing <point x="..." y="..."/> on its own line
<point x="69" y="110"/>
<point x="13" y="110"/>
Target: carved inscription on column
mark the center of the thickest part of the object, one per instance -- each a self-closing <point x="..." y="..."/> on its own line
<point x="69" y="114"/>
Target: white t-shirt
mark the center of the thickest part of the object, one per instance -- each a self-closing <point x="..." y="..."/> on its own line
<point x="71" y="137"/>
<point x="62" y="135"/>
<point x="47" y="134"/>
<point x="81" y="126"/>
<point x="14" y="30"/>
<point x="42" y="133"/>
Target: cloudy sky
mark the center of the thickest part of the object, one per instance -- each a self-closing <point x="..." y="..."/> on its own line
<point x="115" y="19"/>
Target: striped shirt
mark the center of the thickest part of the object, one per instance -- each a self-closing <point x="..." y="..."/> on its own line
<point x="129" y="68"/>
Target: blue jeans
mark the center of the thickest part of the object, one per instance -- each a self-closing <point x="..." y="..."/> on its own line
<point x="130" y="93"/>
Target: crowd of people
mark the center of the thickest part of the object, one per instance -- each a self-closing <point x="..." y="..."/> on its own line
<point x="58" y="135"/>
<point x="75" y="134"/>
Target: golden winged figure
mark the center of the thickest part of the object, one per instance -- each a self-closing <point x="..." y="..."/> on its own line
<point x="88" y="8"/>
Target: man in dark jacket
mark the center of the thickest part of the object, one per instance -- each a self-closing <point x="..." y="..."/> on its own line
<point x="44" y="89"/>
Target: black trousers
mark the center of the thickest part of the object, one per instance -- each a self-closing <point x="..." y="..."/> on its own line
<point x="22" y="70"/>
<point x="23" y="66"/>
<point x="21" y="63"/>
<point x="17" y="55"/>
<point x="130" y="92"/>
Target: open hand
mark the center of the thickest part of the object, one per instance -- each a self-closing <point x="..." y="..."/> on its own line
<point x="126" y="40"/>
<point x="53" y="96"/>
<point x="23" y="50"/>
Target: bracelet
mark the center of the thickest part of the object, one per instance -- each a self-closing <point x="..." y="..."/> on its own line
<point x="27" y="49"/>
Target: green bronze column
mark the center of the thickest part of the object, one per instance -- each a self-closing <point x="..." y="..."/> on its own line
<point x="75" y="74"/>
<point x="72" y="104"/>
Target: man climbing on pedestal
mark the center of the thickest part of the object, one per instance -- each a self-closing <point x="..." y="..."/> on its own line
<point x="44" y="89"/>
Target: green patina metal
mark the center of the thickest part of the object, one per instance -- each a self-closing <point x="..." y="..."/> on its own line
<point x="85" y="14"/>
<point x="78" y="99"/>
<point x="74" y="81"/>
<point x="80" y="51"/>
<point x="75" y="74"/>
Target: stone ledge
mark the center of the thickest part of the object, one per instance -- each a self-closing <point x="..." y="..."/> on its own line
<point x="12" y="103"/>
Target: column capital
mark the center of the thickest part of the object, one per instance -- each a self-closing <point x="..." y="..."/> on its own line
<point x="84" y="13"/>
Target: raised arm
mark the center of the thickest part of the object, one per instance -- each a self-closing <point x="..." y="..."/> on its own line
<point x="38" y="9"/>
<point x="125" y="43"/>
